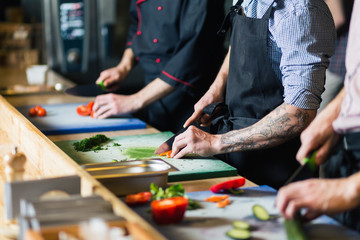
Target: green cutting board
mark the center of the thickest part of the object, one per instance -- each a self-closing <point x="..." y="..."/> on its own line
<point x="132" y="147"/>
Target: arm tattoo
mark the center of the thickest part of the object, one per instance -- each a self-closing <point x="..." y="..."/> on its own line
<point x="282" y="124"/>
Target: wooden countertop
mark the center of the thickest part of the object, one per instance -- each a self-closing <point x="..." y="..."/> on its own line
<point x="17" y="130"/>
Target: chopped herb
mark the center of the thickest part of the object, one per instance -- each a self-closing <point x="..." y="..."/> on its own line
<point x="116" y="145"/>
<point x="91" y="144"/>
<point x="114" y="160"/>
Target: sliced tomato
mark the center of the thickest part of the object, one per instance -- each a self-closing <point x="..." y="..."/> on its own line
<point x="169" y="210"/>
<point x="139" y="198"/>
<point x="83" y="110"/>
<point x="227" y="185"/>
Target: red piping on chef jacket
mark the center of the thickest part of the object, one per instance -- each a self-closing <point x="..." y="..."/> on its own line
<point x="139" y="21"/>
<point x="176" y="79"/>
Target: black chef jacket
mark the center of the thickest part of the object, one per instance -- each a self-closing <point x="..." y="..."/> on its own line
<point x="176" y="41"/>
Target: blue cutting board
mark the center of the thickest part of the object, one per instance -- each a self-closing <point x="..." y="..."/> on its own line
<point x="63" y="119"/>
<point x="212" y="223"/>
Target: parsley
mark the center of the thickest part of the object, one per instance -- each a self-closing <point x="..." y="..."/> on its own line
<point x="91" y="144"/>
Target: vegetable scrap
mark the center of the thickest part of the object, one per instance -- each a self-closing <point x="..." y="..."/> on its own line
<point x="216" y="198"/>
<point x="222" y="201"/>
<point x="167" y="154"/>
<point x="91" y="144"/>
<point x="138" y="198"/>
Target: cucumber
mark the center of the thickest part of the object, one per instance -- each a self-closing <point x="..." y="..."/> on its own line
<point x="238" y="224"/>
<point x="238" y="233"/>
<point x="294" y="229"/>
<point x="260" y="212"/>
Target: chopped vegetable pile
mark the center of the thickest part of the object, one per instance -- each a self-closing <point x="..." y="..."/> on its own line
<point x="91" y="144"/>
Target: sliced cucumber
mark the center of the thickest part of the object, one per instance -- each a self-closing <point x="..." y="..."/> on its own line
<point x="239" y="233"/>
<point x="294" y="229"/>
<point x="260" y="212"/>
<point x="239" y="224"/>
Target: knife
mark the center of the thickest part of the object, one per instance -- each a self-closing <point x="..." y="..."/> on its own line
<point x="87" y="90"/>
<point x="309" y="161"/>
<point x="214" y="110"/>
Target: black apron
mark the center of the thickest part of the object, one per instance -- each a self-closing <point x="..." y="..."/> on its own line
<point x="253" y="90"/>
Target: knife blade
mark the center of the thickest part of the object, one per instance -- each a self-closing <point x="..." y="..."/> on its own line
<point x="167" y="145"/>
<point x="308" y="161"/>
<point x="86" y="90"/>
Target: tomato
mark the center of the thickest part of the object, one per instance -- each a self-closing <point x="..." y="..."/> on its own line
<point x="41" y="112"/>
<point x="169" y="210"/>
<point x="32" y="112"/>
<point x="139" y="198"/>
<point x="37" y="107"/>
<point x="92" y="114"/>
<point x="85" y="110"/>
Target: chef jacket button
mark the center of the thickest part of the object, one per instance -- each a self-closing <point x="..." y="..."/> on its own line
<point x="155" y="40"/>
<point x="137" y="58"/>
<point x="159" y="8"/>
<point x="158" y="60"/>
<point x="138" y="32"/>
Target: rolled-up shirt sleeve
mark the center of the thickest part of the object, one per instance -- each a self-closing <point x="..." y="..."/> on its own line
<point x="306" y="38"/>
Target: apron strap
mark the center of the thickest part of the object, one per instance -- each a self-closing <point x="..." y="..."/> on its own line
<point x="229" y="17"/>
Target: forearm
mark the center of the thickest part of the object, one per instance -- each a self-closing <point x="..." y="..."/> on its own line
<point x="337" y="12"/>
<point x="332" y="110"/>
<point x="219" y="83"/>
<point x="279" y="126"/>
<point x="152" y="92"/>
<point x="127" y="61"/>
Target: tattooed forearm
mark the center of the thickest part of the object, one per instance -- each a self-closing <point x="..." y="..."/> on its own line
<point x="282" y="124"/>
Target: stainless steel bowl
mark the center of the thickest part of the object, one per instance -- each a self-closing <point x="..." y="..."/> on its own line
<point x="132" y="176"/>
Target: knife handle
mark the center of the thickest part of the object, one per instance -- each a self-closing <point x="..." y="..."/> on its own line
<point x="310" y="160"/>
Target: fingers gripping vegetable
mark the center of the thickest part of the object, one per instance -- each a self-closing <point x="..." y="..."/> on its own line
<point x="228" y="185"/>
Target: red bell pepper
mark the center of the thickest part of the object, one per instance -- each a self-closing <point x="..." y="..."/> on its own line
<point x="139" y="198"/>
<point x="227" y="185"/>
<point x="169" y="210"/>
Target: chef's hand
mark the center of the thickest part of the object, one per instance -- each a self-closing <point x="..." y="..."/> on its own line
<point x="114" y="104"/>
<point x="319" y="196"/>
<point x="320" y="134"/>
<point x="195" y="141"/>
<point x="199" y="115"/>
<point x="112" y="78"/>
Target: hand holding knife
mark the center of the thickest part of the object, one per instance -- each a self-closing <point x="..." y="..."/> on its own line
<point x="309" y="161"/>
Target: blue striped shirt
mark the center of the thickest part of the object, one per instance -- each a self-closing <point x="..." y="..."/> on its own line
<point x="301" y="40"/>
